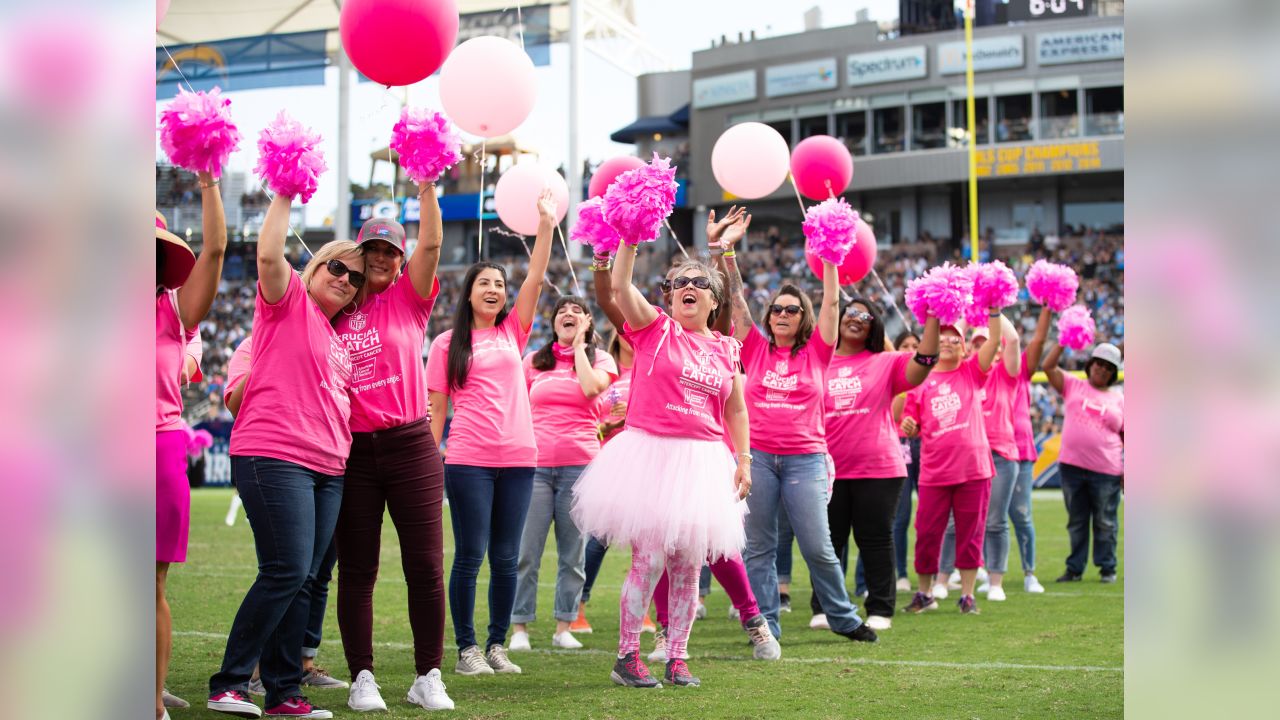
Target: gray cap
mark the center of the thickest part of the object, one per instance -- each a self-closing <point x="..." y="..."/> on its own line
<point x="1108" y="352"/>
<point x="383" y="229"/>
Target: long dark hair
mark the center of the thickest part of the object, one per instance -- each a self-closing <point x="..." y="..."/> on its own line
<point x="545" y="358"/>
<point x="875" y="334"/>
<point x="902" y="337"/>
<point x="460" y="344"/>
<point x="807" y="320"/>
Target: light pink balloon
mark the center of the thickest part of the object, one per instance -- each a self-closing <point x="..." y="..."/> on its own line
<point x="516" y="196"/>
<point x="398" y="42"/>
<point x="487" y="86"/>
<point x="822" y="167"/>
<point x="162" y="9"/>
<point x="857" y="263"/>
<point x="609" y="171"/>
<point x="750" y="160"/>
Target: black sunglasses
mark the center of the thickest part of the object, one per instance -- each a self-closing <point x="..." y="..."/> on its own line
<point x="337" y="268"/>
<point x="776" y="309"/>
<point x="854" y="314"/>
<point x="665" y="286"/>
<point x="699" y="281"/>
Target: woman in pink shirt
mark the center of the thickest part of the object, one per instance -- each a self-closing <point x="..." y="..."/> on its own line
<point x="491" y="451"/>
<point x="289" y="448"/>
<point x="185" y="288"/>
<point x="955" y="462"/>
<point x="861" y="382"/>
<point x="566" y="378"/>
<point x="1091" y="460"/>
<point x="1024" y="436"/>
<point x="667" y="484"/>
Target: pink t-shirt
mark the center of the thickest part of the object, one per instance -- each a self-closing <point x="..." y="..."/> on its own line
<point x="997" y="395"/>
<point x="619" y="391"/>
<point x="171" y="353"/>
<point x="1092" y="422"/>
<point x="195" y="351"/>
<point x="300" y="407"/>
<point x="680" y="380"/>
<point x="564" y="419"/>
<point x="384" y="337"/>
<point x="492" y="423"/>
<point x="784" y="394"/>
<point x="238" y="366"/>
<point x="953" y="441"/>
<point x="861" y="435"/>
<point x="1023" y="434"/>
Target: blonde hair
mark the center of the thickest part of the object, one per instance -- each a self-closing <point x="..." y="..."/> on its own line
<point x="331" y="251"/>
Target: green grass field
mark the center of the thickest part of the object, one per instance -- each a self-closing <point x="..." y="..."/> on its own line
<point x="1060" y="654"/>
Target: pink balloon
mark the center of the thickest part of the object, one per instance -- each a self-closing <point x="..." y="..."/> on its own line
<point x="516" y="196"/>
<point x="822" y="167"/>
<point x="398" y="42"/>
<point x="487" y="86"/>
<point x="162" y="9"/>
<point x="609" y="171"/>
<point x="857" y="263"/>
<point x="750" y="160"/>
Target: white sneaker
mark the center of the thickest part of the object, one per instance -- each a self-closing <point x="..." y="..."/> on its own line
<point x="497" y="658"/>
<point x="764" y="645"/>
<point x="471" y="662"/>
<point x="940" y="591"/>
<point x="879" y="622"/>
<point x="904" y="585"/>
<point x="520" y="641"/>
<point x="953" y="581"/>
<point x="982" y="575"/>
<point x="984" y="587"/>
<point x="564" y="640"/>
<point x="996" y="594"/>
<point x="1032" y="585"/>
<point x="659" y="653"/>
<point x="364" y="696"/>
<point x="819" y="622"/>
<point x="701" y="612"/>
<point x="734" y="614"/>
<point x="428" y="691"/>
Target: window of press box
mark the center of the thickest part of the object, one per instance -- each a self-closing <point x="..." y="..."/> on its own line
<point x="1013" y="118"/>
<point x="851" y="128"/>
<point x="1059" y="115"/>
<point x="958" y="133"/>
<point x="889" y="130"/>
<point x="1104" y="111"/>
<point x="811" y="126"/>
<point x="929" y="126"/>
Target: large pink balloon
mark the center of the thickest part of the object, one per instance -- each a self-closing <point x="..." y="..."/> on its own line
<point x="162" y="9"/>
<point x="609" y="171"/>
<point x="822" y="167"/>
<point x="750" y="160"/>
<point x="857" y="263"/>
<point x="487" y="86"/>
<point x="398" y="42"/>
<point x="516" y="196"/>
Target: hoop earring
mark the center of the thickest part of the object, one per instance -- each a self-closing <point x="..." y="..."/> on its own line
<point x="353" y="309"/>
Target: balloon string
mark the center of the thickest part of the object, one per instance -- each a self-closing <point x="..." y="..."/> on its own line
<point x="520" y="25"/>
<point x="799" y="200"/>
<point x="673" y="237"/>
<point x="893" y="300"/>
<point x="177" y="67"/>
<point x="480" y="239"/>
<point x="572" y="271"/>
<point x="528" y="252"/>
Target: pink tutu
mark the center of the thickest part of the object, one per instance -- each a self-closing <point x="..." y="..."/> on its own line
<point x="654" y="491"/>
<point x="173" y="496"/>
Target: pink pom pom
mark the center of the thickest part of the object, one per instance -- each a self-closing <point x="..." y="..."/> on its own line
<point x="197" y="133"/>
<point x="428" y="143"/>
<point x="1052" y="285"/>
<point x="591" y="229"/>
<point x="288" y="160"/>
<point x="944" y="292"/>
<point x="975" y="316"/>
<point x="994" y="286"/>
<point x="829" y="227"/>
<point x="1075" y="327"/>
<point x="639" y="200"/>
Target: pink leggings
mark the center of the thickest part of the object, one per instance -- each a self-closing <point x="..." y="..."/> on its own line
<point x="682" y="597"/>
<point x="968" y="501"/>
<point x="732" y="576"/>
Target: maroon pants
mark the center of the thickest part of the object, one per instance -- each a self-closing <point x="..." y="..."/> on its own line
<point x="397" y="470"/>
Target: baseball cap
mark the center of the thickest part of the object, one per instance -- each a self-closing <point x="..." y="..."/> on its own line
<point x="382" y="229"/>
<point x="1107" y="352"/>
<point x="178" y="257"/>
<point x="980" y="331"/>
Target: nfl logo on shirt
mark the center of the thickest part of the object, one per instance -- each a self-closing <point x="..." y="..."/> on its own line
<point x="358" y="321"/>
<point x="846" y="372"/>
<point x="780" y="367"/>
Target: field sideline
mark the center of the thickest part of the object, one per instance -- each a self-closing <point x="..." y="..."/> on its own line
<point x="1060" y="654"/>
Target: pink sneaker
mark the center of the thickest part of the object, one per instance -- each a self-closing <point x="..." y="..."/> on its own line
<point x="298" y="707"/>
<point x="233" y="703"/>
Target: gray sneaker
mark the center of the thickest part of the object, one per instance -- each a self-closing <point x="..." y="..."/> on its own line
<point x="257" y="688"/>
<point x="471" y="662"/>
<point x="496" y="655"/>
<point x="173" y="701"/>
<point x="320" y="678"/>
<point x="765" y="645"/>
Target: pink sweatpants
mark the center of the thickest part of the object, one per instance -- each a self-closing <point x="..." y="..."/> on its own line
<point x="681" y="597"/>
<point x="968" y="500"/>
<point x="732" y="576"/>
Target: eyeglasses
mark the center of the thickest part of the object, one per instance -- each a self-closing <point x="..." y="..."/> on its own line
<point x="337" y="268"/>
<point x="699" y="281"/>
<point x="951" y="339"/>
<point x="776" y="309"/>
<point x="857" y="315"/>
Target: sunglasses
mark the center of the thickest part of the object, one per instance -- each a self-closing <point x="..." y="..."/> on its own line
<point x="857" y="315"/>
<point x="951" y="339"/>
<point x="699" y="281"/>
<point x="776" y="309"/>
<point x="665" y="286"/>
<point x="337" y="268"/>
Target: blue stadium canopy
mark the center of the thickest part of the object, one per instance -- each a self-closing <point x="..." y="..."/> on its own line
<point x="673" y="124"/>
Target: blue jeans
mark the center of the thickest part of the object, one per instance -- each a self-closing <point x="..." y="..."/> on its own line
<point x="1024" y="527"/>
<point x="550" y="501"/>
<point x="292" y="511"/>
<point x="1092" y="498"/>
<point x="591" y="566"/>
<point x="794" y="485"/>
<point x="319" y="601"/>
<point x="996" y="545"/>
<point x="487" y="507"/>
<point x="785" y="538"/>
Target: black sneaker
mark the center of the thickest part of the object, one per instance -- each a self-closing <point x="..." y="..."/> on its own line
<point x="862" y="633"/>
<point x="784" y="600"/>
<point x="1109" y="578"/>
<point x="678" y="674"/>
<point x="629" y="671"/>
<point x="1069" y="576"/>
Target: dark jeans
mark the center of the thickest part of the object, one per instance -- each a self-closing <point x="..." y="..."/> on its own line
<point x="397" y="471"/>
<point x="901" y="521"/>
<point x="867" y="507"/>
<point x="319" y="601"/>
<point x="292" y="511"/>
<point x="488" y="508"/>
<point x="595" y="558"/>
<point x="1092" y="498"/>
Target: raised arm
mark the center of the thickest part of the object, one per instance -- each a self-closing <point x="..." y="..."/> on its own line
<point x="829" y="313"/>
<point x="426" y="256"/>
<point x="636" y="311"/>
<point x="735" y="418"/>
<point x="987" y="354"/>
<point x="1035" y="348"/>
<point x="273" y="269"/>
<point x="916" y="373"/>
<point x="733" y="287"/>
<point x="592" y="380"/>
<point x="603" y="284"/>
<point x="724" y="320"/>
<point x="1051" y="369"/>
<point x="1012" y="353"/>
<point x="531" y="288"/>
<point x="195" y="297"/>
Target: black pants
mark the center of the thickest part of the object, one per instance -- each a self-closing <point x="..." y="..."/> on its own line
<point x="867" y="507"/>
<point x="1092" y="500"/>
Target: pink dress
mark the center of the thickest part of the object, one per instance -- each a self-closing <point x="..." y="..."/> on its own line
<point x="173" y="492"/>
